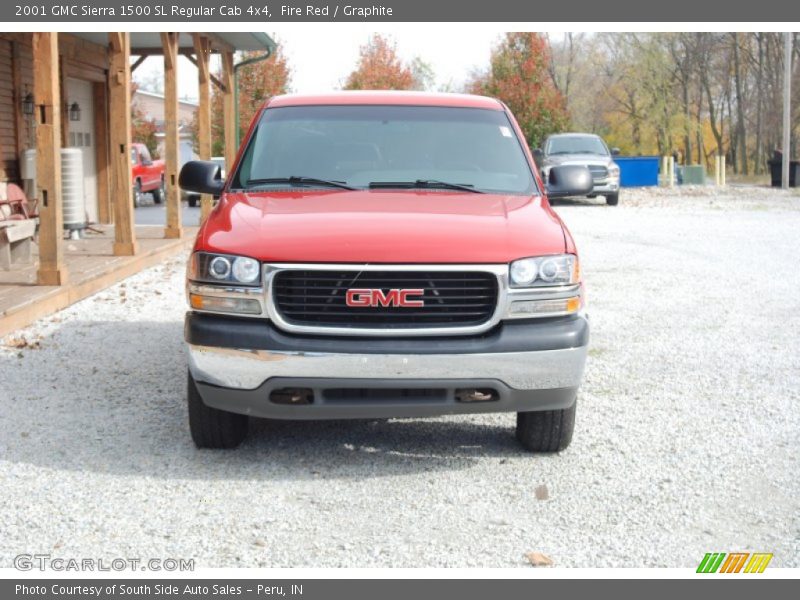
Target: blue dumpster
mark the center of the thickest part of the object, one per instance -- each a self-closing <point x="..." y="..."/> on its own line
<point x="637" y="171"/>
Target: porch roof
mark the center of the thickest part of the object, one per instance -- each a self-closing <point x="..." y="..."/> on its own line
<point x="149" y="42"/>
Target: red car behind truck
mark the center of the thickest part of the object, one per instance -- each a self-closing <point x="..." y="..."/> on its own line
<point x="381" y="255"/>
<point x="147" y="175"/>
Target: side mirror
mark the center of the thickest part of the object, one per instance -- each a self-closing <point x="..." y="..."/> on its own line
<point x="615" y="152"/>
<point x="538" y="156"/>
<point x="569" y="180"/>
<point x="201" y="177"/>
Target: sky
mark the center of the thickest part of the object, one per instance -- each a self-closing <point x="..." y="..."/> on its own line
<point x="322" y="56"/>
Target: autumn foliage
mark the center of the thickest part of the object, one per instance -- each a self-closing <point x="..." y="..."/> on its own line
<point x="519" y="75"/>
<point x="143" y="129"/>
<point x="380" y="68"/>
<point x="257" y="83"/>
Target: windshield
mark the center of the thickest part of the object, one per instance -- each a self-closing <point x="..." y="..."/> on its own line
<point x="576" y="145"/>
<point x="372" y="146"/>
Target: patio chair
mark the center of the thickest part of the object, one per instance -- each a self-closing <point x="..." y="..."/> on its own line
<point x="16" y="206"/>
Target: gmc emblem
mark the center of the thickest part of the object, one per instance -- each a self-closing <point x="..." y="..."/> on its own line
<point x="360" y="298"/>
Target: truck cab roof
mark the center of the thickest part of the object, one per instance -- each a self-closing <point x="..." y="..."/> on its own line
<point x="402" y="98"/>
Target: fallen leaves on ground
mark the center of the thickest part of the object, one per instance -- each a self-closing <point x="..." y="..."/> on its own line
<point x="537" y="559"/>
<point x="22" y="343"/>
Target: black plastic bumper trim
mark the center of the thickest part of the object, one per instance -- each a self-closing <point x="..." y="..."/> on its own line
<point x="509" y="336"/>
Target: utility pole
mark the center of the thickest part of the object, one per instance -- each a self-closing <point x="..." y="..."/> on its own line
<point x="787" y="103"/>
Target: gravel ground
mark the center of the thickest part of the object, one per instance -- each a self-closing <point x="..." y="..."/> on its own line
<point x="687" y="438"/>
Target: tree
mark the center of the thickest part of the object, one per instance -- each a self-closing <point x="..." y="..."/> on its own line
<point x="380" y="68"/>
<point x="152" y="81"/>
<point x="422" y="74"/>
<point x="580" y="74"/>
<point x="520" y="75"/>
<point x="143" y="128"/>
<point x="705" y="93"/>
<point x="258" y="83"/>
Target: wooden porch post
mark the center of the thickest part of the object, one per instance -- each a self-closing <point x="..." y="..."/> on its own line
<point x="47" y="98"/>
<point x="119" y="113"/>
<point x="202" y="49"/>
<point x="62" y="83"/>
<point x="228" y="110"/>
<point x="169" y="42"/>
<point x="104" y="209"/>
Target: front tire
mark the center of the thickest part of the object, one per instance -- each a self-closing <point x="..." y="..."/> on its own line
<point x="612" y="199"/>
<point x="137" y="194"/>
<point x="210" y="427"/>
<point x="192" y="200"/>
<point x="160" y="192"/>
<point x="546" y="430"/>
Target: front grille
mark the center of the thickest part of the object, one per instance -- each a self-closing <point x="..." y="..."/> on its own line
<point x="599" y="172"/>
<point x="309" y="297"/>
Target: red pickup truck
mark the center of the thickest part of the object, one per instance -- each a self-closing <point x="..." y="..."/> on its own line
<point x="147" y="175"/>
<point x="382" y="255"/>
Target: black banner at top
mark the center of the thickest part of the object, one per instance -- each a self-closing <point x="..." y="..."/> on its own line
<point x="398" y="11"/>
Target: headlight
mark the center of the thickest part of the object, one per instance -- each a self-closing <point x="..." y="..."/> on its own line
<point x="524" y="271"/>
<point x="245" y="270"/>
<point x="224" y="268"/>
<point x="219" y="268"/>
<point x="560" y="269"/>
<point x="613" y="170"/>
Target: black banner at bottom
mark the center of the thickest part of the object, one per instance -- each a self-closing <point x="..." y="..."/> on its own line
<point x="392" y="589"/>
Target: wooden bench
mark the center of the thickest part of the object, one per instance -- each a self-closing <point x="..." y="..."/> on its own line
<point x="15" y="242"/>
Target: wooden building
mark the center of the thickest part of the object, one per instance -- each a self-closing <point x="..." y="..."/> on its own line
<point x="62" y="90"/>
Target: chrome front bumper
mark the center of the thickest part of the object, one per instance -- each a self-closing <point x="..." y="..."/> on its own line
<point x="610" y="186"/>
<point x="243" y="382"/>
<point x="249" y="369"/>
<point x="245" y="365"/>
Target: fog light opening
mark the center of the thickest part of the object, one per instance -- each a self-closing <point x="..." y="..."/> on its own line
<point x="293" y="396"/>
<point x="476" y="395"/>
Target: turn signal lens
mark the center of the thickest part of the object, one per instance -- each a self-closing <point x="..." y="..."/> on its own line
<point x="244" y="306"/>
<point x="538" y="308"/>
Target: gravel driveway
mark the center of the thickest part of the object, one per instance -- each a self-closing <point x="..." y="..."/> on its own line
<point x="687" y="437"/>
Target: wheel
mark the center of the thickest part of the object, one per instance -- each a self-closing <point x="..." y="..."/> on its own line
<point x="137" y="194"/>
<point x="160" y="192"/>
<point x="612" y="199"/>
<point x="546" y="430"/>
<point x="212" y="428"/>
<point x="192" y="200"/>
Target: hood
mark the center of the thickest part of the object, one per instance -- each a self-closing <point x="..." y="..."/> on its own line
<point x="579" y="159"/>
<point x="382" y="227"/>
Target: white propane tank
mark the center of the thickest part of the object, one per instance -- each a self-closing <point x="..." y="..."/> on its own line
<point x="72" y="195"/>
<point x="28" y="172"/>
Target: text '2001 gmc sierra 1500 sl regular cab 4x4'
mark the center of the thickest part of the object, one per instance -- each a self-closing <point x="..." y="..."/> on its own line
<point x="381" y="255"/>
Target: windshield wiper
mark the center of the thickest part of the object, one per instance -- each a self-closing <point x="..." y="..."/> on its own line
<point x="299" y="180"/>
<point x="425" y="183"/>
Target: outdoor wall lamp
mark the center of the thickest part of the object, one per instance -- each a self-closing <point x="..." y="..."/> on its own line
<point x="74" y="110"/>
<point x="27" y="105"/>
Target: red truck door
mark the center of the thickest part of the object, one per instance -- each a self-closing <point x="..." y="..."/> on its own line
<point x="151" y="178"/>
